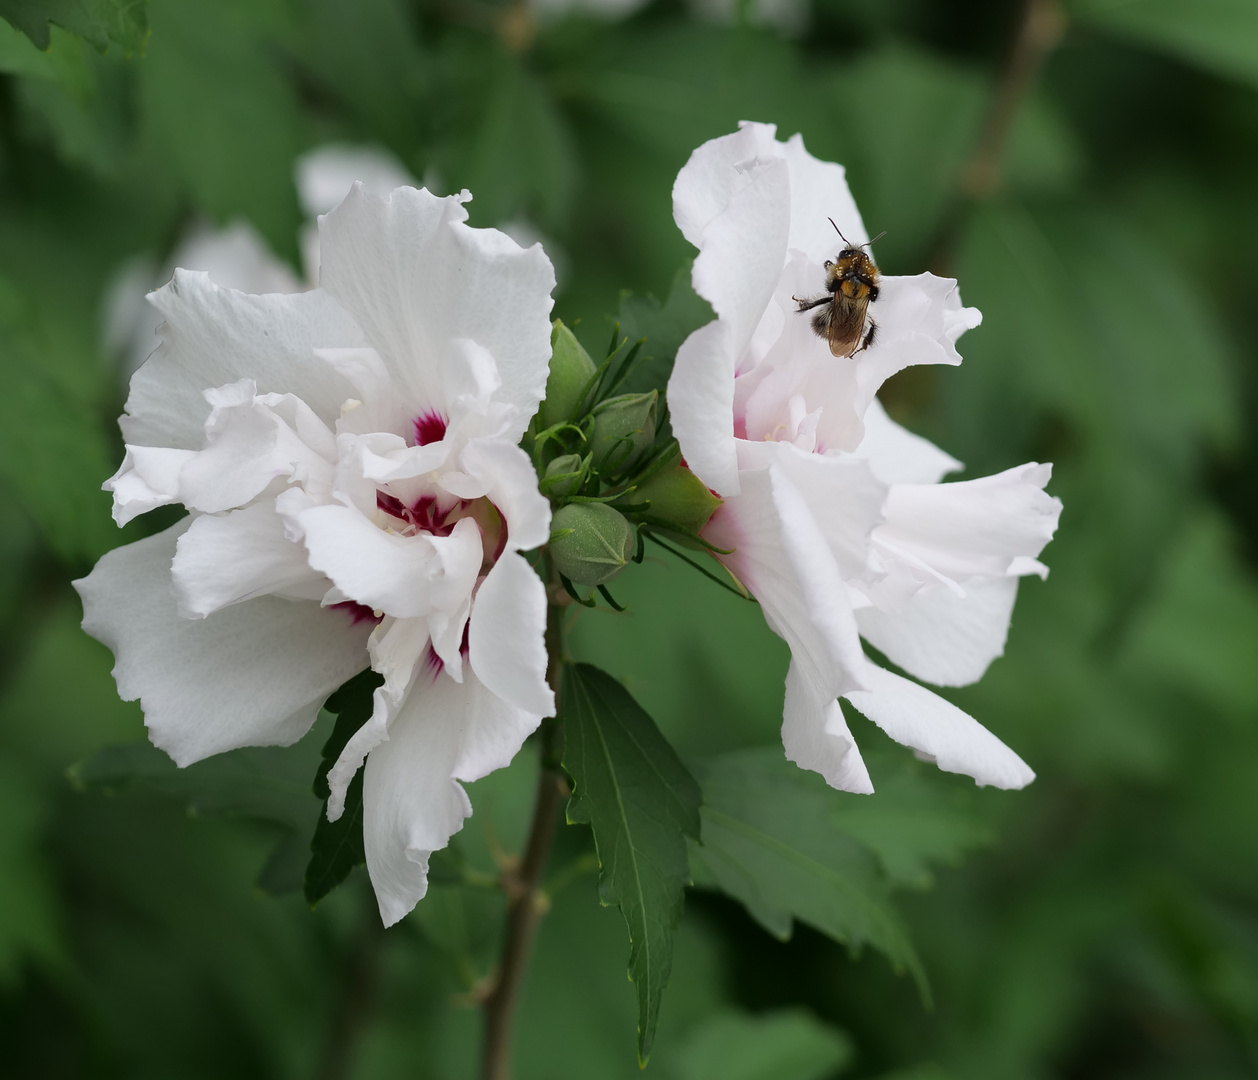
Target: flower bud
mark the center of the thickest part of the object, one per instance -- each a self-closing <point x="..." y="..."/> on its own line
<point x="624" y="429"/>
<point x="676" y="497"/>
<point x="592" y="542"/>
<point x="570" y="371"/>
<point x="564" y="476"/>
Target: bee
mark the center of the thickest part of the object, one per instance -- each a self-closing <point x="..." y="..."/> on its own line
<point x="852" y="285"/>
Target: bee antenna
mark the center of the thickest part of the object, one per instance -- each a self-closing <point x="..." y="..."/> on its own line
<point x="875" y="239"/>
<point x="839" y="231"/>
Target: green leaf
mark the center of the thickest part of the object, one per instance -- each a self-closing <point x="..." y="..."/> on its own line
<point x="521" y="160"/>
<point x="788" y="1044"/>
<point x="634" y="792"/>
<point x="770" y="840"/>
<point x="222" y="115"/>
<point x="665" y="326"/>
<point x="124" y="22"/>
<point x="1219" y="35"/>
<point x="30" y="915"/>
<point x="337" y="846"/>
<point x="266" y="783"/>
<point x="58" y="486"/>
<point x="917" y="817"/>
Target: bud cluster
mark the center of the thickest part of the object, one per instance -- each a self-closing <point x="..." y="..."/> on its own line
<point x="609" y="464"/>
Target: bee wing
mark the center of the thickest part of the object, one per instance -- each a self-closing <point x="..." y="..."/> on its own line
<point x="845" y="324"/>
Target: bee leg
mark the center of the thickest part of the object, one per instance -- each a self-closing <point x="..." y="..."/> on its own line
<point x="869" y="336"/>
<point x="807" y="305"/>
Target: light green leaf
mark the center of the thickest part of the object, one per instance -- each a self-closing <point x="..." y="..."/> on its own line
<point x="53" y="451"/>
<point x="218" y="109"/>
<point x="1199" y="630"/>
<point x="124" y="22"/>
<point x="1219" y="35"/>
<point x="664" y="326"/>
<point x="522" y="161"/>
<point x="770" y="840"/>
<point x="634" y="792"/>
<point x="789" y="1044"/>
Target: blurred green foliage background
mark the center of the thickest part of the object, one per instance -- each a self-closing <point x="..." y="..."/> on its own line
<point x="1102" y="923"/>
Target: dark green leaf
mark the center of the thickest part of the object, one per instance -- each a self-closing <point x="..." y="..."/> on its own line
<point x="337" y="846"/>
<point x="770" y="840"/>
<point x="789" y="1044"/>
<point x="636" y="795"/>
<point x="1219" y="35"/>
<point x="124" y="22"/>
<point x="264" y="783"/>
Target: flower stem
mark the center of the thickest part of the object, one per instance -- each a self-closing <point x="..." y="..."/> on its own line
<point x="525" y="903"/>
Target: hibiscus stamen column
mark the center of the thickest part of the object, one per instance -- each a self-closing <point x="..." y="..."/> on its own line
<point x="525" y="904"/>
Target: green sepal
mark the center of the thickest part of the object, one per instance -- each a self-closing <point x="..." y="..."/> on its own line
<point x="677" y="498"/>
<point x="624" y="430"/>
<point x="565" y="475"/>
<point x="570" y="372"/>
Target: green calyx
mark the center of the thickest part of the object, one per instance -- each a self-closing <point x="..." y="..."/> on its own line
<point x="676" y="499"/>
<point x="591" y="543"/>
<point x="565" y="475"/>
<point x="571" y="371"/>
<point x="624" y="430"/>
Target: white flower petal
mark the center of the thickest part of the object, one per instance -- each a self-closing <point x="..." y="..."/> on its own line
<point x="510" y="483"/>
<point x="782" y="557"/>
<point x="952" y="739"/>
<point x="147" y="478"/>
<point x="819" y="192"/>
<point x="972" y="527"/>
<point x="213" y="336"/>
<point x="253" y="674"/>
<point x="417" y="279"/>
<point x="373" y="732"/>
<point x="943" y="638"/>
<point x="225" y="559"/>
<point x="897" y="456"/>
<point x="397" y="646"/>
<point x="255" y="443"/>
<point x="815" y="736"/>
<point x="716" y="172"/>
<point x="742" y="251"/>
<point x="506" y="636"/>
<point x="493" y="732"/>
<point x="412" y="804"/>
<point x="919" y="320"/>
<point x="842" y="496"/>
<point x="701" y="406"/>
<point x="405" y="576"/>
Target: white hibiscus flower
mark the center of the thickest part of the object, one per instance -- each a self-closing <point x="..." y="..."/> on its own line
<point x="834" y="514"/>
<point x="236" y="255"/>
<point x="349" y="457"/>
